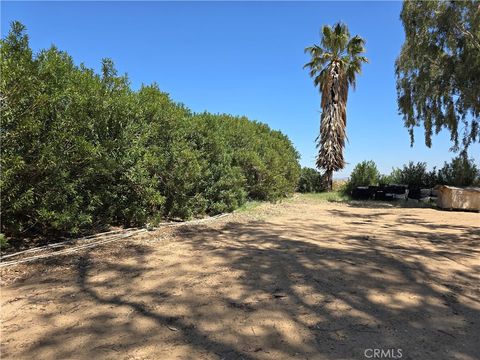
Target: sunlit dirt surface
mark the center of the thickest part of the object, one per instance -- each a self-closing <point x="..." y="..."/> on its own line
<point x="298" y="280"/>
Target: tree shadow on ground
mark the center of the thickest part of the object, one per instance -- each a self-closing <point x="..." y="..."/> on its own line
<point x="259" y="290"/>
<point x="382" y="293"/>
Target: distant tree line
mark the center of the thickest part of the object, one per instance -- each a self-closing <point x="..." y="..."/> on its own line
<point x="461" y="171"/>
<point x="80" y="151"/>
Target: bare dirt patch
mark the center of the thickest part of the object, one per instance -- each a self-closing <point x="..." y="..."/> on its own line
<point x="303" y="279"/>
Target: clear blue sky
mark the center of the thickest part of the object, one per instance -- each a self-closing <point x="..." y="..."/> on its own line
<point x="244" y="59"/>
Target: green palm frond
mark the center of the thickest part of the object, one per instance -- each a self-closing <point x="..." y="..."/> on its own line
<point x="336" y="46"/>
<point x="356" y="46"/>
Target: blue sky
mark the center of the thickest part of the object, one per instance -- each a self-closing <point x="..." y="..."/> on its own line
<point x="244" y="59"/>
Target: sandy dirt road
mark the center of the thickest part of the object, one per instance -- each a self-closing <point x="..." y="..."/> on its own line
<point x="298" y="280"/>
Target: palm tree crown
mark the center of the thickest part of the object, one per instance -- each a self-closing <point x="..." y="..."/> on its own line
<point x="334" y="65"/>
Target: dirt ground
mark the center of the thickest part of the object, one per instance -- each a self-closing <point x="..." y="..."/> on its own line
<point x="302" y="279"/>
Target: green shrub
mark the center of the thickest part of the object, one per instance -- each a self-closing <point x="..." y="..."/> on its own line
<point x="82" y="151"/>
<point x="310" y="181"/>
<point x="364" y="174"/>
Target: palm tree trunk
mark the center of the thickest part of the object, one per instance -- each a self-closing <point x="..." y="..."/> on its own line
<point x="332" y="123"/>
<point x="329" y="179"/>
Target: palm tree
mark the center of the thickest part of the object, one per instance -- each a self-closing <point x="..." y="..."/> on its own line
<point x="333" y="67"/>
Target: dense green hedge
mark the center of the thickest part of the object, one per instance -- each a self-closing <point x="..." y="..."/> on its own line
<point x="81" y="151"/>
<point x="311" y="181"/>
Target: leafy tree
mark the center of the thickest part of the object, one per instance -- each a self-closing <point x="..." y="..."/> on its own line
<point x="461" y="171"/>
<point x="438" y="70"/>
<point x="415" y="175"/>
<point x="384" y="179"/>
<point x="431" y="178"/>
<point x="334" y="65"/>
<point x="364" y="174"/>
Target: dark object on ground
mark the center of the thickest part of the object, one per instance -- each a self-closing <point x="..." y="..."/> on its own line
<point x="383" y="192"/>
<point x="417" y="193"/>
<point x="361" y="193"/>
<point x="391" y="192"/>
<point x="396" y="189"/>
<point x="414" y="193"/>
